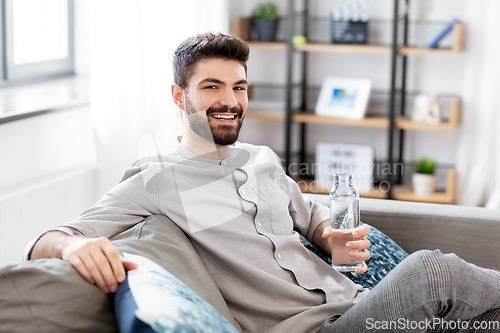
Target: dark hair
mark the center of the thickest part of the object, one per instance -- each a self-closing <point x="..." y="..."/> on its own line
<point x="204" y="46"/>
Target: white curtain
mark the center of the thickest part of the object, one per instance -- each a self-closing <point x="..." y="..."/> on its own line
<point x="132" y="43"/>
<point x="479" y="150"/>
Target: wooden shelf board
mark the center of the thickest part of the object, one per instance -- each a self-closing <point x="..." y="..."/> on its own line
<point x="381" y="122"/>
<point x="309" y="186"/>
<point x="268" y="45"/>
<point x="376" y="122"/>
<point x="425" y="51"/>
<point x="344" y="48"/>
<point x="373" y="194"/>
<point x="457" y="47"/>
<point x="458" y="32"/>
<point x="447" y="197"/>
<point x="373" y="49"/>
<point x="408" y="124"/>
<point x="451" y="124"/>
<point x="458" y="37"/>
<point x="265" y="114"/>
<point x="406" y="193"/>
<point x="399" y="192"/>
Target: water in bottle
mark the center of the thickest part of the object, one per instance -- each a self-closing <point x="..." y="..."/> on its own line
<point x="344" y="218"/>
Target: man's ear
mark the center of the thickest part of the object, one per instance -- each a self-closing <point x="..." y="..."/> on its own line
<point x="178" y="95"/>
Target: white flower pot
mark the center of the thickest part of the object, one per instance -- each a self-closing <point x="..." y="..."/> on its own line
<point x="423" y="184"/>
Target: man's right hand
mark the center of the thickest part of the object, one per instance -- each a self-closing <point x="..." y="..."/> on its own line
<point x="96" y="259"/>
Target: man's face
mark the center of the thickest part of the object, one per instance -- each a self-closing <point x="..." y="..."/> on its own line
<point x="217" y="93"/>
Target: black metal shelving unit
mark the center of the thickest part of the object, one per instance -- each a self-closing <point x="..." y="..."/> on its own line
<point x="395" y="176"/>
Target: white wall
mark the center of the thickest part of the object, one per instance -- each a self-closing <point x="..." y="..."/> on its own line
<point x="47" y="176"/>
<point x="28" y="210"/>
<point x="36" y="148"/>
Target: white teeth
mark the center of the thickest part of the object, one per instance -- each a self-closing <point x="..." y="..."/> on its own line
<point x="220" y="116"/>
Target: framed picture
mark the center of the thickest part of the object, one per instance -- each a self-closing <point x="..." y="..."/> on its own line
<point x="344" y="97"/>
<point x="333" y="158"/>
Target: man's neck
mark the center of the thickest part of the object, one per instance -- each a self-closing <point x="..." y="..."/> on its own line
<point x="205" y="148"/>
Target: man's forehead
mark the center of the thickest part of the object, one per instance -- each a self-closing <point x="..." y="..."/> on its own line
<point x="220" y="69"/>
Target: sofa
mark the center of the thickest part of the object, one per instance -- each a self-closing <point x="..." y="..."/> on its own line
<point x="48" y="295"/>
<point x="473" y="233"/>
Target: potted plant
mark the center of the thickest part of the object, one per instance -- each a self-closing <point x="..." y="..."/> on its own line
<point x="424" y="179"/>
<point x="265" y="19"/>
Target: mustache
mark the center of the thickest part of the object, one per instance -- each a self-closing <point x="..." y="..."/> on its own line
<point x="225" y="109"/>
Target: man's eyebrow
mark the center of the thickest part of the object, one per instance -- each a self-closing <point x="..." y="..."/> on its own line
<point x="217" y="81"/>
<point x="241" y="82"/>
<point x="210" y="80"/>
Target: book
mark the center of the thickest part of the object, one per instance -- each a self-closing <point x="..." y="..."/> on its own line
<point x="446" y="30"/>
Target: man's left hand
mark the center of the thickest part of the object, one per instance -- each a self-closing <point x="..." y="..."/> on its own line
<point x="362" y="245"/>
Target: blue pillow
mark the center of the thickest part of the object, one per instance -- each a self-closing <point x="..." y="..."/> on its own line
<point x="385" y="255"/>
<point x="151" y="300"/>
<point x="125" y="306"/>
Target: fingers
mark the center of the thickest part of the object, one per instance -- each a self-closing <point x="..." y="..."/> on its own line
<point x="129" y="265"/>
<point x="97" y="261"/>
<point x="361" y="244"/>
<point x="97" y="269"/>
<point x="326" y="232"/>
<point x="111" y="254"/>
<point x="359" y="248"/>
<point x="359" y="232"/>
<point x="361" y="269"/>
<point x="80" y="267"/>
<point x="362" y="231"/>
<point x="360" y="255"/>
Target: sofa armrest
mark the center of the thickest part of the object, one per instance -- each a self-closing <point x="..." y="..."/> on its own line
<point x="473" y="233"/>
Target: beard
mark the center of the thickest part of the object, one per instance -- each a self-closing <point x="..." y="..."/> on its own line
<point x="203" y="124"/>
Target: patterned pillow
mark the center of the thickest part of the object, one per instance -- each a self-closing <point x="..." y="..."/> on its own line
<point x="385" y="255"/>
<point x="162" y="303"/>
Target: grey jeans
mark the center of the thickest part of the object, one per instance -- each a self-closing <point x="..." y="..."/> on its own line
<point x="427" y="292"/>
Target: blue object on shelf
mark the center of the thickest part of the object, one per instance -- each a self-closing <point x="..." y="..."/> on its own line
<point x="442" y="34"/>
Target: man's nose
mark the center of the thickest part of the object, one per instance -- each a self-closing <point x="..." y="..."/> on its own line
<point x="229" y="99"/>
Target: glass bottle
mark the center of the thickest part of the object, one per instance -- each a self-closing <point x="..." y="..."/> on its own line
<point x="344" y="218"/>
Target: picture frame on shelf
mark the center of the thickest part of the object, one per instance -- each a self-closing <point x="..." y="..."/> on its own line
<point x="344" y="97"/>
<point x="334" y="158"/>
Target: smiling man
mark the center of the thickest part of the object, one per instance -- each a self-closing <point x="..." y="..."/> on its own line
<point x="243" y="216"/>
<point x="218" y="86"/>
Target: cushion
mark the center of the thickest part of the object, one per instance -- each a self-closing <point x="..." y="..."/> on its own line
<point x="385" y="255"/>
<point x="48" y="295"/>
<point x="160" y="240"/>
<point x="153" y="300"/>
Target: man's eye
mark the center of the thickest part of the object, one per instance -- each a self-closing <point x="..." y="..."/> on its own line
<point x="239" y="88"/>
<point x="211" y="87"/>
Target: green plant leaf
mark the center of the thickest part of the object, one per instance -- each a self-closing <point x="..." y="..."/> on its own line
<point x="426" y="166"/>
<point x="266" y="11"/>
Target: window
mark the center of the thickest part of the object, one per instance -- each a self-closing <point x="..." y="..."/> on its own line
<point x="36" y="40"/>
